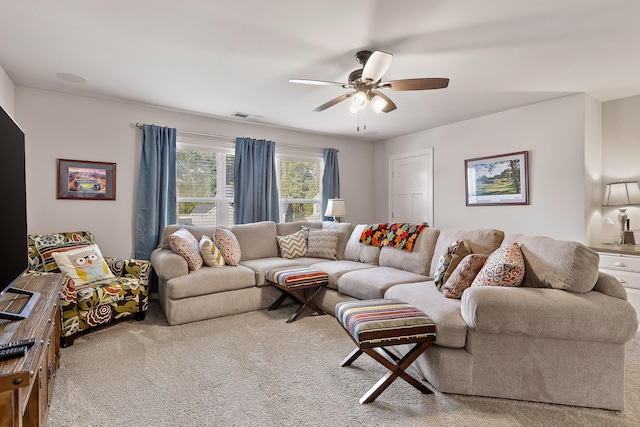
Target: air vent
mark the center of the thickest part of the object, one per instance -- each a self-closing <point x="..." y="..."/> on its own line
<point x="246" y="116"/>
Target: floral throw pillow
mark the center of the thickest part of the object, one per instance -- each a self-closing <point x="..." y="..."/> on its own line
<point x="293" y="245"/>
<point x="504" y="267"/>
<point x="184" y="244"/>
<point x="228" y="244"/>
<point x="323" y="244"/>
<point x="449" y="260"/>
<point x="211" y="255"/>
<point x="463" y="275"/>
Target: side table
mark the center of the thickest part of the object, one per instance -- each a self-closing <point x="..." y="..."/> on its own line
<point x="623" y="262"/>
<point x="294" y="282"/>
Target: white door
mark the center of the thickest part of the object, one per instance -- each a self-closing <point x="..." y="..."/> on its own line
<point x="411" y="187"/>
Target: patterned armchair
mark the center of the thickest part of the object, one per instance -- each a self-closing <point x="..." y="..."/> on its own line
<point x="86" y="306"/>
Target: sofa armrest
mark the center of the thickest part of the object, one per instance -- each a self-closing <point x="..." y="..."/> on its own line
<point x="609" y="285"/>
<point x="133" y="268"/>
<point x="549" y="313"/>
<point x="168" y="264"/>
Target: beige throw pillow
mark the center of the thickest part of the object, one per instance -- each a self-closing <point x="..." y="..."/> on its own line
<point x="322" y="244"/>
<point x="211" y="255"/>
<point x="293" y="245"/>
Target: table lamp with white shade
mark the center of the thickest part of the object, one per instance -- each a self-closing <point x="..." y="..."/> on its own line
<point x="336" y="208"/>
<point x="622" y="194"/>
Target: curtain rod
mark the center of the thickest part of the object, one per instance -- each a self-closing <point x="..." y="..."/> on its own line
<point x="232" y="139"/>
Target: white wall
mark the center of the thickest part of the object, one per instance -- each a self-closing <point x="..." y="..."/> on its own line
<point x="554" y="134"/>
<point x="7" y="93"/>
<point x="72" y="127"/>
<point x="621" y="150"/>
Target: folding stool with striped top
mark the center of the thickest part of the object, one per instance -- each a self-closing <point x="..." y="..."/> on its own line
<point x="292" y="282"/>
<point x="376" y="324"/>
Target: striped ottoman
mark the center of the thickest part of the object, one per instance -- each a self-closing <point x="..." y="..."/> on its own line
<point x="376" y="324"/>
<point x="293" y="282"/>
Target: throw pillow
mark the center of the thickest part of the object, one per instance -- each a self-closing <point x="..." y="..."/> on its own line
<point x="228" y="244"/>
<point x="449" y="260"/>
<point x="504" y="267"/>
<point x="184" y="244"/>
<point x="83" y="265"/>
<point x="46" y="254"/>
<point x="463" y="275"/>
<point x="293" y="245"/>
<point x="322" y="244"/>
<point x="211" y="255"/>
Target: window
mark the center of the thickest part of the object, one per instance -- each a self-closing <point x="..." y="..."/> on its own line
<point x="300" y="192"/>
<point x="204" y="183"/>
<point x="204" y="169"/>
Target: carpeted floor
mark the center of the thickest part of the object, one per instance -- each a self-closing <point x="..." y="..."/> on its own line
<point x="253" y="369"/>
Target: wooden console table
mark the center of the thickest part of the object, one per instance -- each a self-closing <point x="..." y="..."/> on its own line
<point x="26" y="383"/>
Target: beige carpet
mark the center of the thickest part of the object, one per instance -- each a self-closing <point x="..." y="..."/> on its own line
<point x="253" y="369"/>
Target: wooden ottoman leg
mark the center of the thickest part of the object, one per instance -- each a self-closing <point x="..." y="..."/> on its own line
<point x="351" y="357"/>
<point x="396" y="370"/>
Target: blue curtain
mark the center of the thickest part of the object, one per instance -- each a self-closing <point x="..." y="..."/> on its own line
<point x="330" y="179"/>
<point x="156" y="206"/>
<point x="255" y="181"/>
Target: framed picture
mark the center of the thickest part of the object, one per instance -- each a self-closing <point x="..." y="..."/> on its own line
<point x="86" y="180"/>
<point x="497" y="180"/>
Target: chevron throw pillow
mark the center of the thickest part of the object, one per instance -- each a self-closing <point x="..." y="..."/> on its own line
<point x="293" y="245"/>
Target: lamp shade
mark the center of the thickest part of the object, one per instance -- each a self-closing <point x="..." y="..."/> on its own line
<point x="621" y="194"/>
<point x="335" y="208"/>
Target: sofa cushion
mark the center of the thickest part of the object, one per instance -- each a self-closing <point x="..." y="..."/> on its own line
<point x="197" y="230"/>
<point x="49" y="264"/>
<point x="451" y="327"/>
<point x="360" y="252"/>
<point x="210" y="253"/>
<point x="226" y="241"/>
<point x="504" y="267"/>
<point x="284" y="228"/>
<point x="449" y="260"/>
<point x="184" y="244"/>
<point x="480" y="241"/>
<point x="260" y="266"/>
<point x="557" y="264"/>
<point x="322" y="244"/>
<point x="344" y="230"/>
<point x="463" y="276"/>
<point x="372" y="283"/>
<point x="209" y="280"/>
<point x="257" y="239"/>
<point x="292" y="245"/>
<point x="419" y="260"/>
<point x="336" y="269"/>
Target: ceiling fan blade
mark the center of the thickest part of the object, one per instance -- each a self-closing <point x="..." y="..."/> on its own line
<point x="390" y="104"/>
<point x="316" y="82"/>
<point x="416" y="84"/>
<point x="377" y="64"/>
<point x="334" y="101"/>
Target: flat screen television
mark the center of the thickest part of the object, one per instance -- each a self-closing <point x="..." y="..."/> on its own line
<point x="13" y="250"/>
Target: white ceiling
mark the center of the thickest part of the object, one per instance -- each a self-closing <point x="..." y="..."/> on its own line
<point x="216" y="57"/>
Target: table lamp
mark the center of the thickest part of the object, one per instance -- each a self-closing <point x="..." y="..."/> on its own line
<point x="622" y="194"/>
<point x="336" y="209"/>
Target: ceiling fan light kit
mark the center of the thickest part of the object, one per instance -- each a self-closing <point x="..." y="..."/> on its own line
<point x="367" y="80"/>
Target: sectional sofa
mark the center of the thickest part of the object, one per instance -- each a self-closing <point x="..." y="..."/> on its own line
<point x="559" y="337"/>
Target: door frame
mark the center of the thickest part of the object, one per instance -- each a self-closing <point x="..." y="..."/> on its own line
<point x="429" y="185"/>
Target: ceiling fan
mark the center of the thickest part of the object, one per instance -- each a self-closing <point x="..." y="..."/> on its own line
<point x="366" y="83"/>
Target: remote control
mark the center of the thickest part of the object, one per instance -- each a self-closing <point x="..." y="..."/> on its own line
<point x="10" y="353"/>
<point x="28" y="342"/>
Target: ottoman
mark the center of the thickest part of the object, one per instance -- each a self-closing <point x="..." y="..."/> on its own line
<point x="294" y="282"/>
<point x="376" y="324"/>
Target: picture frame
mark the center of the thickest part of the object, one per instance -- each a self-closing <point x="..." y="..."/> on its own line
<point x="86" y="180"/>
<point x="497" y="180"/>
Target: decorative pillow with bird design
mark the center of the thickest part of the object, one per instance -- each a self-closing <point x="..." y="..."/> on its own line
<point x="83" y="265"/>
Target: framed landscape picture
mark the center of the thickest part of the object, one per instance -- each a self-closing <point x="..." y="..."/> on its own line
<point x="86" y="180"/>
<point x="497" y="180"/>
